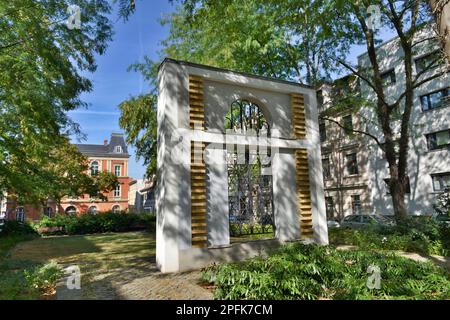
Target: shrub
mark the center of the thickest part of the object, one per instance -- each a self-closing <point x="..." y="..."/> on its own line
<point x="12" y="227"/>
<point x="102" y="222"/>
<point x="24" y="279"/>
<point x="298" y="271"/>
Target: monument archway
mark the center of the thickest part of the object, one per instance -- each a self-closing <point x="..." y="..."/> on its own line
<point x="234" y="147"/>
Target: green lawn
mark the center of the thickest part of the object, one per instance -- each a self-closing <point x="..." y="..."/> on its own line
<point x="99" y="255"/>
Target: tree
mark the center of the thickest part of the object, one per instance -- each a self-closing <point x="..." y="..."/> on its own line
<point x="272" y="38"/>
<point x="42" y="62"/>
<point x="406" y="19"/>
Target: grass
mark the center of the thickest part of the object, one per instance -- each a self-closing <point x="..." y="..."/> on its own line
<point x="102" y="258"/>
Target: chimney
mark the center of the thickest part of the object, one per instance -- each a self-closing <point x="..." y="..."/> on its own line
<point x="105" y="142"/>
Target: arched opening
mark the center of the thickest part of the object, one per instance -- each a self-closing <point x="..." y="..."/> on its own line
<point x="94" y="168"/>
<point x="71" y="210"/>
<point x="250" y="190"/>
<point x="20" y="214"/>
<point x="245" y="116"/>
<point x="92" y="210"/>
<point x="116" y="208"/>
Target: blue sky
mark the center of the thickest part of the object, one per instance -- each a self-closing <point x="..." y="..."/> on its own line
<point x="112" y="84"/>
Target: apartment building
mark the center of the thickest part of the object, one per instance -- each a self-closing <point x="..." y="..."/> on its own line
<point x="110" y="156"/>
<point x="344" y="154"/>
<point x="356" y="180"/>
<point x="429" y="142"/>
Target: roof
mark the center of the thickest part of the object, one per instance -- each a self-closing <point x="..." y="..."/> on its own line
<point x="108" y="150"/>
<point x="202" y="66"/>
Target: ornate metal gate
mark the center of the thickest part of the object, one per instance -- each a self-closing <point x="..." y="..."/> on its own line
<point x="250" y="197"/>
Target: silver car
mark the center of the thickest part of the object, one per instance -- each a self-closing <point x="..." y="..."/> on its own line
<point x="364" y="220"/>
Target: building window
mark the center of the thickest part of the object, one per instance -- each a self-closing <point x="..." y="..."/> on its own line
<point x="356" y="204"/>
<point x="94" y="168"/>
<point x="438" y="140"/>
<point x="322" y="132"/>
<point x="118" y="149"/>
<point x="429" y="61"/>
<point x="92" y="210"/>
<point x="408" y="186"/>
<point x="71" y="210"/>
<point x="388" y="78"/>
<point x="48" y="211"/>
<point x="117" y="191"/>
<point x="20" y="214"/>
<point x="347" y="123"/>
<point x="326" y="168"/>
<point x="117" y="170"/>
<point x="116" y="209"/>
<point x="435" y="99"/>
<point x="329" y="205"/>
<point x="351" y="164"/>
<point x="441" y="181"/>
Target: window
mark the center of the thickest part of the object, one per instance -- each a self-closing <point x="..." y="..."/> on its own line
<point x="118" y="149"/>
<point x="322" y="132"/>
<point x="438" y="140"/>
<point x="356" y="204"/>
<point x="441" y="181"/>
<point x="92" y="210"/>
<point x="326" y="168"/>
<point x="388" y="78"/>
<point x="347" y="123"/>
<point x="117" y="191"/>
<point x="94" y="168"/>
<point x="117" y="170"/>
<point x="435" y="99"/>
<point x="71" y="210"/>
<point x="116" y="209"/>
<point x="351" y="164"/>
<point x="20" y="214"/>
<point x="329" y="205"/>
<point x="244" y="116"/>
<point x="48" y="211"/>
<point x="429" y="61"/>
<point x="408" y="186"/>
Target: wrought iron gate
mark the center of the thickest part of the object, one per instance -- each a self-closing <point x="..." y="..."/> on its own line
<point x="250" y="197"/>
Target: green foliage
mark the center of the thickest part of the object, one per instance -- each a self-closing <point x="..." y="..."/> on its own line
<point x="15" y="228"/>
<point x="99" y="223"/>
<point x="299" y="271"/>
<point x="443" y="202"/>
<point x="419" y="234"/>
<point x="42" y="65"/>
<point x="27" y="280"/>
<point x="138" y="119"/>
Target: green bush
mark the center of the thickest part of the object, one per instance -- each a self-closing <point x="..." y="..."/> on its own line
<point x="99" y="223"/>
<point x="419" y="234"/>
<point x="298" y="271"/>
<point x="12" y="227"/>
<point x="24" y="279"/>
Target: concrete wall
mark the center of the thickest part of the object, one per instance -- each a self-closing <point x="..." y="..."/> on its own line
<point x="174" y="251"/>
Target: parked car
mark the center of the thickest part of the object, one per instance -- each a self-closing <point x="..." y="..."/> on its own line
<point x="441" y="218"/>
<point x="364" y="220"/>
<point x="333" y="223"/>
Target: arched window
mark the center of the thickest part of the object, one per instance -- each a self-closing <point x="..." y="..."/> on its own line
<point x="116" y="208"/>
<point x="92" y="210"/>
<point x="20" y="214"/>
<point x="48" y="211"/>
<point x="245" y="116"/>
<point x="71" y="210"/>
<point x="94" y="168"/>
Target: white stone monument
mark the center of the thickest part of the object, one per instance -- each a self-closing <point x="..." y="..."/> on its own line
<point x="192" y="200"/>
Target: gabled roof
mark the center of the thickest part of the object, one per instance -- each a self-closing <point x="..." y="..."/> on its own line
<point x="108" y="150"/>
